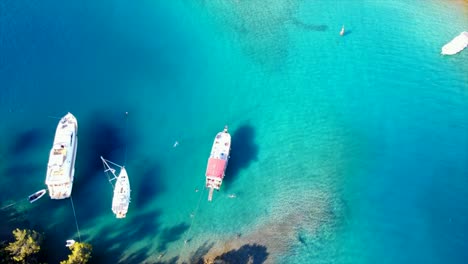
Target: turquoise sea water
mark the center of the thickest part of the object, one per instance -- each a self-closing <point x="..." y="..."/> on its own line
<point x="346" y="149"/>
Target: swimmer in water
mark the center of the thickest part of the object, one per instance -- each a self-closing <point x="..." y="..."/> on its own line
<point x="176" y="144"/>
<point x="232" y="196"/>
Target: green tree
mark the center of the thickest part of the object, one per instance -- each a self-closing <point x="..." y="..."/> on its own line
<point x="26" y="245"/>
<point x="81" y="253"/>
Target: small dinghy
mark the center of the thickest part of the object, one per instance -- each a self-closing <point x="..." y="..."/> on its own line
<point x="37" y="195"/>
<point x="70" y="242"/>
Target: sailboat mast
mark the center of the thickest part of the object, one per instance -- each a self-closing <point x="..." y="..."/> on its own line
<point x="108" y="168"/>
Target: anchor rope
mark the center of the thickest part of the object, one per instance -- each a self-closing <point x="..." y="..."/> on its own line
<point x="195" y="212"/>
<point x="108" y="168"/>
<point x="126" y="138"/>
<point x="76" y="221"/>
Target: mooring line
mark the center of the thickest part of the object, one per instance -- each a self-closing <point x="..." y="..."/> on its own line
<point x="126" y="138"/>
<point x="193" y="215"/>
<point x="76" y="221"/>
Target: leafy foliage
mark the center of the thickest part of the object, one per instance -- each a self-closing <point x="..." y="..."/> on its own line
<point x="81" y="253"/>
<point x="26" y="245"/>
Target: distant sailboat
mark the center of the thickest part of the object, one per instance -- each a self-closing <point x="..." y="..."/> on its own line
<point x="121" y="198"/>
<point x="37" y="195"/>
<point x="342" y="32"/>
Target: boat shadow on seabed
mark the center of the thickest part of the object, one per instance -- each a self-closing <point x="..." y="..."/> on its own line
<point x="244" y="151"/>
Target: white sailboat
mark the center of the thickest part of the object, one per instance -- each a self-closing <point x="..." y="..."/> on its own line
<point x="121" y="198"/>
<point x="61" y="166"/>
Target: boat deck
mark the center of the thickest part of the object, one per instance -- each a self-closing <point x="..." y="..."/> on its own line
<point x="217" y="162"/>
<point x="121" y="199"/>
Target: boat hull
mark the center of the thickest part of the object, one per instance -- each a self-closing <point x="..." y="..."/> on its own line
<point x="61" y="165"/>
<point x="121" y="199"/>
<point x="456" y="45"/>
<point x="218" y="161"/>
<point x="36" y="196"/>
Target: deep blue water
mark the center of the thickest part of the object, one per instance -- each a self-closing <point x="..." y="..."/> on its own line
<point x="346" y="149"/>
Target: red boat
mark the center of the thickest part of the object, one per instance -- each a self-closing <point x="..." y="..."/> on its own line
<point x="218" y="160"/>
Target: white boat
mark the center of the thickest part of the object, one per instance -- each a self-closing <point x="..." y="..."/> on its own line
<point x="61" y="166"/>
<point x="217" y="162"/>
<point x="342" y="32"/>
<point x="37" y="195"/>
<point x="121" y="198"/>
<point x="456" y="45"/>
<point x="70" y="242"/>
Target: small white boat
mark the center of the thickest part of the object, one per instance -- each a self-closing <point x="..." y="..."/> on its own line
<point x="121" y="198"/>
<point x="456" y="45"/>
<point x="37" y="195"/>
<point x="61" y="166"/>
<point x="342" y="32"/>
<point x="218" y="160"/>
<point x="70" y="242"/>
